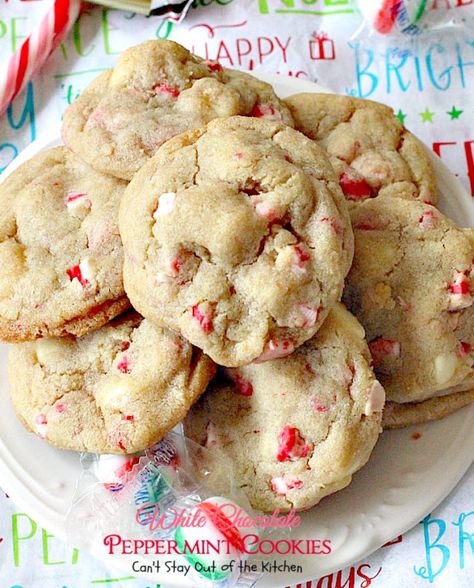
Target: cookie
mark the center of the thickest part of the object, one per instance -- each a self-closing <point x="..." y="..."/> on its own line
<point x="117" y="390"/>
<point x="396" y="415"/>
<point x="233" y="239"/>
<point x="157" y="90"/>
<point x="411" y="288"/>
<point x="372" y="152"/>
<point x="61" y="255"/>
<point x="327" y="423"/>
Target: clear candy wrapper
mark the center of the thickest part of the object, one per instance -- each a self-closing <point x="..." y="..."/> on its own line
<point x="161" y="511"/>
<point x="413" y="18"/>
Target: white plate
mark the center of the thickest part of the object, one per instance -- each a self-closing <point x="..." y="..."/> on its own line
<point x="404" y="480"/>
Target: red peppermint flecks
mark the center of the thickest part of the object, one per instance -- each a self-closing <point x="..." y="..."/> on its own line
<point x="460" y="291"/>
<point x="275" y="349"/>
<point x="464" y="348"/>
<point x="213" y="65"/>
<point x="41" y="423"/>
<point x="427" y="219"/>
<point x="74" y="199"/>
<point x="265" y="111"/>
<point x="244" y="387"/>
<point x="460" y="285"/>
<point x="166" y="89"/>
<point x="124" y="365"/>
<point x="128" y="417"/>
<point x="281" y="484"/>
<point x="121" y="446"/>
<point x="334" y="223"/>
<point x="238" y="155"/>
<point x="204" y="315"/>
<point x="60" y="407"/>
<point x="300" y="259"/>
<point x="381" y="349"/>
<point x="75" y="273"/>
<point x="317" y="406"/>
<point x="291" y="444"/>
<point x="365" y="226"/>
<point x="355" y="188"/>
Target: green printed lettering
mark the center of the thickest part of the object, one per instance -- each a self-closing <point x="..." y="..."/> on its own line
<point x="106" y="29"/>
<point x="3" y="28"/>
<point x="77" y="38"/>
<point x="45" y="541"/>
<point x="16" y="537"/>
<point x="164" y="30"/>
<point x="15" y="35"/>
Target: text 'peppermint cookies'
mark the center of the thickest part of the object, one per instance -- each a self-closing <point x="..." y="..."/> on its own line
<point x="233" y="238"/>
<point x="411" y="287"/>
<point x="295" y="429"/>
<point x="370" y="149"/>
<point x="157" y="90"/>
<point x="60" y="250"/>
<point x="117" y="390"/>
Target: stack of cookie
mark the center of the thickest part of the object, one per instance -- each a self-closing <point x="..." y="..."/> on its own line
<point x="184" y="192"/>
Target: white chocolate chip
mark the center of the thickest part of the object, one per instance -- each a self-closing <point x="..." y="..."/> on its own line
<point x="115" y="393"/>
<point x="444" y="367"/>
<point x="165" y="204"/>
<point x="51" y="350"/>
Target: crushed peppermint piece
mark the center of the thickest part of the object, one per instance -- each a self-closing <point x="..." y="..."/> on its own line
<point x="204" y="314"/>
<point x="376" y="399"/>
<point x="291" y="444"/>
<point x="41" y="425"/>
<point x="77" y="200"/>
<point x="166" y="89"/>
<point x="281" y="484"/>
<point x="354" y="187"/>
<point x="213" y="65"/>
<point x="124" y="365"/>
<point x="244" y="386"/>
<point x="459" y="292"/>
<point x="275" y="349"/>
<point x="265" y="111"/>
<point x="427" y="219"/>
<point x="381" y="349"/>
<point x="300" y="259"/>
<point x="465" y="348"/>
<point x="83" y="273"/>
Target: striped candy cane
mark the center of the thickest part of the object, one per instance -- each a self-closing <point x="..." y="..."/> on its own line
<point x="36" y="48"/>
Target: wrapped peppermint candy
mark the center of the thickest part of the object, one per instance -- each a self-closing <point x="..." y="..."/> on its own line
<point x="135" y="511"/>
<point x="413" y="17"/>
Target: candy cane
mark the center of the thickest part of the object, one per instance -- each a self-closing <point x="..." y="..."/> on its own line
<point x="36" y="48"/>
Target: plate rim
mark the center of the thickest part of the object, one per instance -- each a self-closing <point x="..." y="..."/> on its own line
<point x="33" y="505"/>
